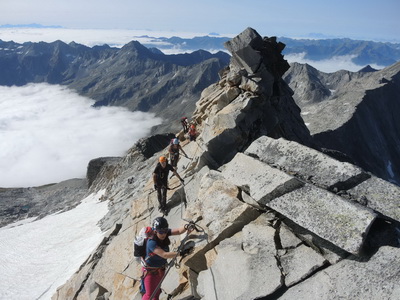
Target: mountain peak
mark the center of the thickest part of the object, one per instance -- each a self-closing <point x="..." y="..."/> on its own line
<point x="367" y="68"/>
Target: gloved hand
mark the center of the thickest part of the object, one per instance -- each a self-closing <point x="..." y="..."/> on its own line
<point x="155" y="187"/>
<point x="185" y="252"/>
<point x="189" y="227"/>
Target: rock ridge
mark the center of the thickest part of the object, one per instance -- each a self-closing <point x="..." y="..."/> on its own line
<point x="278" y="213"/>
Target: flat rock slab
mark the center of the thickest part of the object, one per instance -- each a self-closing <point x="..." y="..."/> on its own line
<point x="262" y="182"/>
<point x="379" y="195"/>
<point x="337" y="220"/>
<point x="351" y="280"/>
<point x="320" y="168"/>
<point x="298" y="263"/>
<point x="245" y="268"/>
<point x="256" y="275"/>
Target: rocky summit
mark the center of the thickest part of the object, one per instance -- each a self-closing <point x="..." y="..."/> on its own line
<point x="277" y="218"/>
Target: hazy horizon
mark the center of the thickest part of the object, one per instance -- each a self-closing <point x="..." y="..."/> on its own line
<point x="358" y="19"/>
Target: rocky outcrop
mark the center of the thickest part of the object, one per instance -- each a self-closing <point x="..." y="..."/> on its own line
<point x="98" y="164"/>
<point x="352" y="112"/>
<point x="149" y="146"/>
<point x="272" y="221"/>
<point x="250" y="100"/>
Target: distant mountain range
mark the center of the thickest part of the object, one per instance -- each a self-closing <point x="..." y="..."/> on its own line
<point x="354" y="113"/>
<point x="32" y="25"/>
<point x="362" y="52"/>
<point x="134" y="76"/>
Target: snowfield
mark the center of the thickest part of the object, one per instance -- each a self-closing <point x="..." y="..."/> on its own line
<point x="39" y="256"/>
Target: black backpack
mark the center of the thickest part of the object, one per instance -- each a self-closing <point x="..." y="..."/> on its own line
<point x="139" y="245"/>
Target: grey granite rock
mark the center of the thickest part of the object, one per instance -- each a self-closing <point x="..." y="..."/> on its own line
<point x="331" y="217"/>
<point x="377" y="278"/>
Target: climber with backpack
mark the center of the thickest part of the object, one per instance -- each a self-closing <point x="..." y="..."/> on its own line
<point x="174" y="150"/>
<point x="157" y="252"/>
<point x="160" y="180"/>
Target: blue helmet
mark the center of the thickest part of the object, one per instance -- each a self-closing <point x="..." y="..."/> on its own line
<point x="176" y="141"/>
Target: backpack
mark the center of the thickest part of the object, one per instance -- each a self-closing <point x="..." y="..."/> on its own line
<point x="139" y="245"/>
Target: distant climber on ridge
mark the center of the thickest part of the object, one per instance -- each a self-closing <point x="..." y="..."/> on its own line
<point x="173" y="150"/>
<point x="192" y="133"/>
<point x="185" y="124"/>
<point x="160" y="179"/>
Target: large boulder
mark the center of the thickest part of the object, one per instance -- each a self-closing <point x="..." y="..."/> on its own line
<point x="380" y="196"/>
<point x="329" y="216"/>
<point x="262" y="182"/>
<point x="307" y="163"/>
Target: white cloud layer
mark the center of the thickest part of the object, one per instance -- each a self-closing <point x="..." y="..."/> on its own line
<point x="330" y="65"/>
<point x="49" y="133"/>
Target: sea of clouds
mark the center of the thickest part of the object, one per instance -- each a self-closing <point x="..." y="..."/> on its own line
<point x="334" y="64"/>
<point x="49" y="133"/>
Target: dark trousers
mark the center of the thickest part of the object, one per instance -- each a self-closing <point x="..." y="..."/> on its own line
<point x="174" y="160"/>
<point x="162" y="195"/>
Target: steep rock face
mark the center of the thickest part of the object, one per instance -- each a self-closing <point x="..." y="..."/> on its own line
<point x="353" y="113"/>
<point x="267" y="227"/>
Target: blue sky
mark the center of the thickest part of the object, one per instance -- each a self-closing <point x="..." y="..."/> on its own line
<point x="357" y="19"/>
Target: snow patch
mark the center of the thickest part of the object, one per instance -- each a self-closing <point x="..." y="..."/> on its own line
<point x="39" y="256"/>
